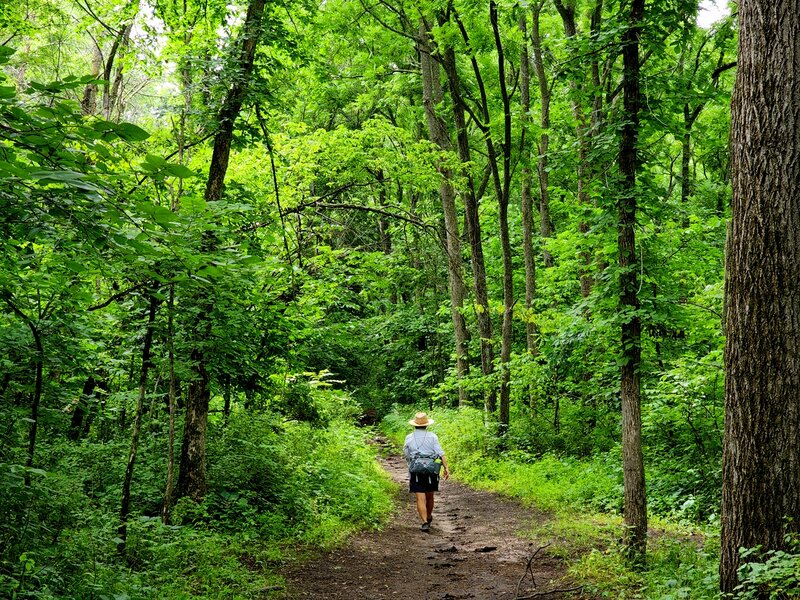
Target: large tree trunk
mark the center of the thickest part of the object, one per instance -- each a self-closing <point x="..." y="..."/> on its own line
<point x="635" y="501"/>
<point x="192" y="477"/>
<point x="761" y="457"/>
<point x="431" y="91"/>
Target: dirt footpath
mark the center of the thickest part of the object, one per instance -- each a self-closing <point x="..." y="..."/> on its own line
<point x="472" y="551"/>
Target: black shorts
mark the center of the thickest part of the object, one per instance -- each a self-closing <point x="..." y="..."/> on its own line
<point x="423" y="482"/>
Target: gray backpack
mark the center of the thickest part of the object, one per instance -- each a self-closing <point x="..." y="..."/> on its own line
<point x="424" y="463"/>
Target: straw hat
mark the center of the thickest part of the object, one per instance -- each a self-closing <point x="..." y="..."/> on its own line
<point x="421" y="420"/>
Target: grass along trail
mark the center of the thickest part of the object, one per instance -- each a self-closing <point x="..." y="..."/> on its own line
<point x="473" y="550"/>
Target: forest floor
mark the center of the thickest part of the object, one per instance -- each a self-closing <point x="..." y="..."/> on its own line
<point x="474" y="550"/>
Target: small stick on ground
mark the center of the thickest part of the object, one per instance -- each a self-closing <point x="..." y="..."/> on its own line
<point x="529" y="569"/>
<point x="547" y="593"/>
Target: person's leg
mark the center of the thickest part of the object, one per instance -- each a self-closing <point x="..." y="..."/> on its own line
<point x="429" y="506"/>
<point x="422" y="509"/>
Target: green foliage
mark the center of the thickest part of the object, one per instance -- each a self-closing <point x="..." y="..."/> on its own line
<point x="317" y="287"/>
<point x="677" y="568"/>
<point x="273" y="482"/>
<point x="774" y="574"/>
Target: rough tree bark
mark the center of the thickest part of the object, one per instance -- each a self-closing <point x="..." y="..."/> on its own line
<point x="761" y="455"/>
<point x="635" y="500"/>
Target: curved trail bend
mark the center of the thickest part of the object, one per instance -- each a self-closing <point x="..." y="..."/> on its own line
<point x="472" y="551"/>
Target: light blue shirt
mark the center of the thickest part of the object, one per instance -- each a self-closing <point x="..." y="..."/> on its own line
<point x="422" y="441"/>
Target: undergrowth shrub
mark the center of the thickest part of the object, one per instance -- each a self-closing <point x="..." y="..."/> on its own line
<point x="273" y="483"/>
<point x="774" y="574"/>
<point x="554" y="483"/>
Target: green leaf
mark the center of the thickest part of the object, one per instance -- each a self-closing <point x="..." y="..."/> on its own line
<point x="131" y="133"/>
<point x="11" y="170"/>
<point x="5" y="53"/>
<point x="181" y="171"/>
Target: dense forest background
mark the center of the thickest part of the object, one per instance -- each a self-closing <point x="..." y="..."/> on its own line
<point x="231" y="230"/>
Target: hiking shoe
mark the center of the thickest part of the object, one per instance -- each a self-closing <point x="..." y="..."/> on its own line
<point x="426" y="527"/>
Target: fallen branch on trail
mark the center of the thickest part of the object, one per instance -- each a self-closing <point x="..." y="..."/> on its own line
<point x="547" y="593"/>
<point x="529" y="569"/>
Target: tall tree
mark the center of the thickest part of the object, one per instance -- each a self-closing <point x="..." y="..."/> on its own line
<point x="192" y="475"/>
<point x="437" y="131"/>
<point x="635" y="502"/>
<point x="761" y="462"/>
<point x="473" y="222"/>
<point x="526" y="198"/>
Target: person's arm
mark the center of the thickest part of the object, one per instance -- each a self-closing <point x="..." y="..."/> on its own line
<point x="446" y="473"/>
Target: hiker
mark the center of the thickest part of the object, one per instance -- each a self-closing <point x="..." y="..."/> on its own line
<point x="423" y="454"/>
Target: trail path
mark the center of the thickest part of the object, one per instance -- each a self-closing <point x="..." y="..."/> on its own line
<point x="472" y="551"/>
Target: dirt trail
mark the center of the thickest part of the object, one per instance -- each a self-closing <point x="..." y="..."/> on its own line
<point x="472" y="551"/>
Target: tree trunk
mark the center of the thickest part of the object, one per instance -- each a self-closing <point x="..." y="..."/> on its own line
<point x="503" y="193"/>
<point x="89" y="100"/>
<point x="761" y="456"/>
<point x="167" y="506"/>
<point x="38" y="379"/>
<point x="526" y="198"/>
<point x="124" y="510"/>
<point x="79" y="413"/>
<point x="437" y="130"/>
<point x="37" y="396"/>
<point x="635" y="501"/>
<point x="472" y="218"/>
<point x="192" y="478"/>
<point x="567" y="13"/>
<point x="545" y="222"/>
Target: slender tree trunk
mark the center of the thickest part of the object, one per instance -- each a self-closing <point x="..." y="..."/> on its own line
<point x="79" y="413"/>
<point x="192" y="477"/>
<point x="567" y="13"/>
<point x="431" y="90"/>
<point x="503" y="193"/>
<point x="124" y="510"/>
<point x="545" y="222"/>
<point x="89" y="100"/>
<point x="167" y="506"/>
<point x="526" y="196"/>
<point x="38" y="367"/>
<point x="113" y="100"/>
<point x="635" y="501"/>
<point x="761" y="455"/>
<point x="473" y="223"/>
